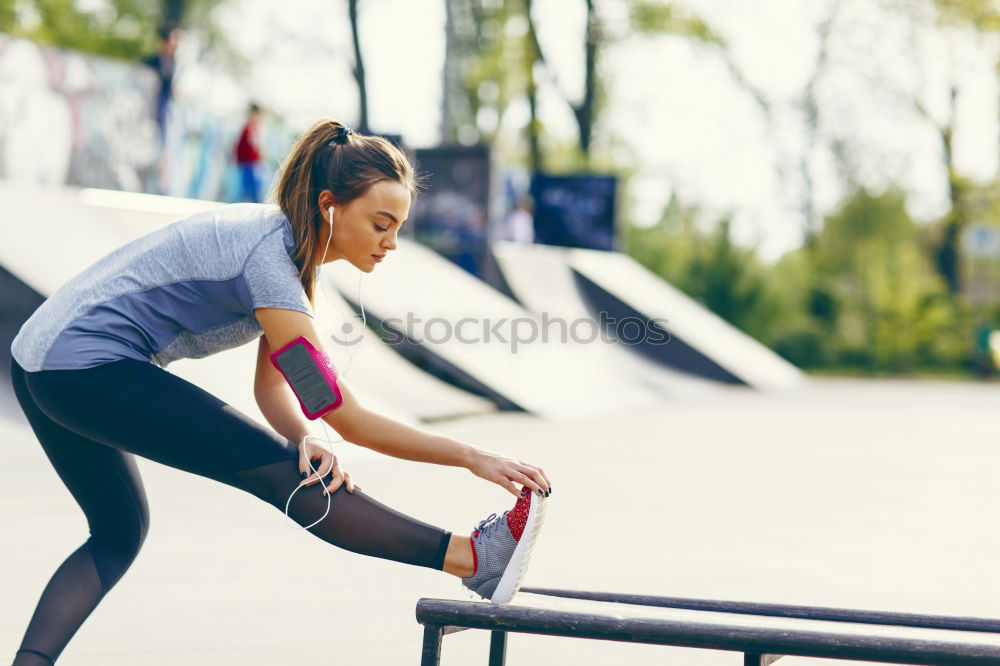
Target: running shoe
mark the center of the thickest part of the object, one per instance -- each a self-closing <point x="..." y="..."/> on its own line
<point x="501" y="548"/>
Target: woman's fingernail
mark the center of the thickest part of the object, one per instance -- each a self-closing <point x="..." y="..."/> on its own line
<point x="540" y="492"/>
<point x="522" y="493"/>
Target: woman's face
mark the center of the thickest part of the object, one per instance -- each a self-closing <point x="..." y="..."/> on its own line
<point x="365" y="229"/>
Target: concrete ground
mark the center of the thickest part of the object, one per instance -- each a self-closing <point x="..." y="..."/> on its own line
<point x="861" y="494"/>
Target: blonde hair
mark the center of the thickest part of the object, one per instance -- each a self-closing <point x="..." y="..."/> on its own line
<point x="328" y="156"/>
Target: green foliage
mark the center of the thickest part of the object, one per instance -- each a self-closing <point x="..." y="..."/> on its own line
<point x="726" y="278"/>
<point x="896" y="312"/>
<point x="663" y="18"/>
<point x="124" y="29"/>
<point x="983" y="15"/>
<point x="863" y="296"/>
<point x="496" y="74"/>
<point x="498" y="51"/>
<point x="7" y="15"/>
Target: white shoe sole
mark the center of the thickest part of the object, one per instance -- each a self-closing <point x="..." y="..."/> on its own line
<point x="513" y="575"/>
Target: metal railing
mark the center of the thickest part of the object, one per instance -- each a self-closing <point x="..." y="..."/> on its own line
<point x="901" y="638"/>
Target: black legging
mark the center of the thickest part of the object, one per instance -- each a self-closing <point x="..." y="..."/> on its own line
<point x="93" y="422"/>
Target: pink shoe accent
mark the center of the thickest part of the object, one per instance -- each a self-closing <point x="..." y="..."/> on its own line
<point x="517" y="517"/>
<point x="475" y="560"/>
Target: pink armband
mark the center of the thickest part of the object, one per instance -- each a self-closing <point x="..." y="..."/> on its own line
<point x="311" y="375"/>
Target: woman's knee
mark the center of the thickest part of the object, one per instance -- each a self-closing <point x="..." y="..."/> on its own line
<point x="122" y="536"/>
<point x="114" y="550"/>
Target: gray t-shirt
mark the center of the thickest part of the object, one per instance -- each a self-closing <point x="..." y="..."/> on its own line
<point x="186" y="290"/>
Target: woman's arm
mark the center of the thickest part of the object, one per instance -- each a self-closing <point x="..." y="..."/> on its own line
<point x="275" y="398"/>
<point x="281" y="410"/>
<point x="380" y="433"/>
<point x="353" y="422"/>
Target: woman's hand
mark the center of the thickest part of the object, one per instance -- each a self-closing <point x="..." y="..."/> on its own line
<point x="505" y="472"/>
<point x="312" y="451"/>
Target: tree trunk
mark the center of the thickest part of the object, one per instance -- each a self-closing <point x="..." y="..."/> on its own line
<point x="947" y="256"/>
<point x="584" y="111"/>
<point x="173" y="14"/>
<point x="460" y="47"/>
<point x="531" y="57"/>
<point x="810" y="108"/>
<point x="359" y="68"/>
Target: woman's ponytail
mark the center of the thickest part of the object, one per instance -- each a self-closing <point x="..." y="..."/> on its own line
<point x="329" y="156"/>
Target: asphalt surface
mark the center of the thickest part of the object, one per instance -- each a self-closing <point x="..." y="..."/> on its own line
<point x="848" y="493"/>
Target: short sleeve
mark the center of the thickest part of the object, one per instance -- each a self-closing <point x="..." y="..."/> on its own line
<point x="272" y="279"/>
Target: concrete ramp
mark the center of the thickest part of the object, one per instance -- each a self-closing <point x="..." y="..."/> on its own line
<point x="441" y="317"/>
<point x="373" y="369"/>
<point x="542" y="279"/>
<point x="702" y="343"/>
<point x="50" y="235"/>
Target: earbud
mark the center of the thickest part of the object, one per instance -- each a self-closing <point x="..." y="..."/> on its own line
<point x="350" y="360"/>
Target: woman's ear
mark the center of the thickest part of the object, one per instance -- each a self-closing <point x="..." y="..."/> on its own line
<point x="325" y="200"/>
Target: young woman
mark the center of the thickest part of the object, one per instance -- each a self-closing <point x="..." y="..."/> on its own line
<point x="88" y="372"/>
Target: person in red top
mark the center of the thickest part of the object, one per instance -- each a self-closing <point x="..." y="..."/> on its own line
<point x="248" y="156"/>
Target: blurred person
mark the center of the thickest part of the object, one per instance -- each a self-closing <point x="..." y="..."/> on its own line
<point x="88" y="371"/>
<point x="521" y="221"/>
<point x="248" y="156"/>
<point x="163" y="64"/>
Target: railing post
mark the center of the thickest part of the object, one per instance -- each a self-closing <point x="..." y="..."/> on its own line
<point x="431" y="655"/>
<point x="750" y="659"/>
<point x="498" y="648"/>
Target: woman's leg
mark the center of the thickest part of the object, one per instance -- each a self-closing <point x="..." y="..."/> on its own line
<point x="133" y="407"/>
<point x="140" y="408"/>
<point x="106" y="484"/>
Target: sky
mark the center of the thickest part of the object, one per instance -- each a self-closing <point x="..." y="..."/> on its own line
<point x="688" y="126"/>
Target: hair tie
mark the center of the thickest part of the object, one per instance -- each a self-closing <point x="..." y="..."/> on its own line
<point x="340" y="138"/>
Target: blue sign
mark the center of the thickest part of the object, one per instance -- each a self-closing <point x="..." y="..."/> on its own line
<point x="575" y="211"/>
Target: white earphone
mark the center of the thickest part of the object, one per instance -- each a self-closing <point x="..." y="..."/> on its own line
<point x="312" y="469"/>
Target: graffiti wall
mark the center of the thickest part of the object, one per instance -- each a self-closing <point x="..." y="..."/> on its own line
<point x="76" y="119"/>
<point x="68" y="118"/>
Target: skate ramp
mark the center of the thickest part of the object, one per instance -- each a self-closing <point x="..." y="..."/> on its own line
<point x="702" y="343"/>
<point x="373" y="369"/>
<point x="51" y="234"/>
<point x="441" y="317"/>
<point x="542" y="280"/>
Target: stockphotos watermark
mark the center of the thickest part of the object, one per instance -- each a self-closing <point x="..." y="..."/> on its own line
<point x="516" y="332"/>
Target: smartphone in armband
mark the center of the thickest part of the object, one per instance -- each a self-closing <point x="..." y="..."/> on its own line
<point x="311" y="375"/>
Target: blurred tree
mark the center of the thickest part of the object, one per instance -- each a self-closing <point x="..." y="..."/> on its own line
<point x="359" y="67"/>
<point x="473" y="35"/>
<point x="126" y="29"/>
<point x="808" y="103"/>
<point x="494" y="56"/>
<point x="531" y="57"/>
<point x="863" y="295"/>
<point x="727" y="278"/>
<point x="984" y="15"/>
<point x="979" y="16"/>
<point x="649" y="17"/>
<point x="8" y="15"/>
<point x="892" y="310"/>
